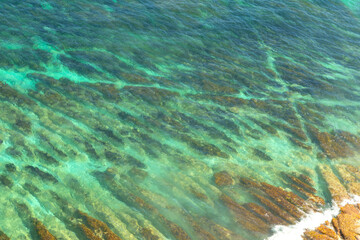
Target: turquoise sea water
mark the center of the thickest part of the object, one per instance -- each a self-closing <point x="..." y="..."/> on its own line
<point x="125" y="110"/>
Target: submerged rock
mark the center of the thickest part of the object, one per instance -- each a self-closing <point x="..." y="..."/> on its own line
<point x="210" y="86"/>
<point x="206" y="148"/>
<point x="10" y="167"/>
<point x="337" y="190"/>
<point x="93" y="228"/>
<point x="41" y="230"/>
<point x="287" y="200"/>
<point x="262" y="155"/>
<point x="229" y="101"/>
<point x="151" y="94"/>
<point x="109" y="91"/>
<point x="284" y="204"/>
<point x="265" y="127"/>
<point x="295" y="132"/>
<point x="175" y="229"/>
<point x="349" y="137"/>
<point x="219" y="231"/>
<point x="148" y="234"/>
<point x="3" y="236"/>
<point x="23" y="125"/>
<point x="11" y="95"/>
<point x="350" y="181"/>
<point x="45" y="157"/>
<point x="245" y="217"/>
<point x="223" y="178"/>
<point x="266" y="215"/>
<point x="333" y="146"/>
<point x="43" y="175"/>
<point x="304" y="186"/>
<point x="4" y="180"/>
<point x="300" y="182"/>
<point x="300" y="144"/>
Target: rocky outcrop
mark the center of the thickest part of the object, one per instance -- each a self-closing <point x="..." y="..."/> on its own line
<point x="151" y="94"/>
<point x="346" y="225"/>
<point x="337" y="190"/>
<point x="223" y="178"/>
<point x="245" y="217"/>
<point x="333" y="145"/>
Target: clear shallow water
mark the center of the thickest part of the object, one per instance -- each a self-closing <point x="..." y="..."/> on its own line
<point x="110" y="102"/>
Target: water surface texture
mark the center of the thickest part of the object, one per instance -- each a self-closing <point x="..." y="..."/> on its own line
<point x="174" y="119"/>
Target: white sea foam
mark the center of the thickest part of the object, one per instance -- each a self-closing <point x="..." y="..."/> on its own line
<point x="310" y="221"/>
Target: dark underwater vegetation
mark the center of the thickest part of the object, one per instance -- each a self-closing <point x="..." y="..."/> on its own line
<point x="213" y="120"/>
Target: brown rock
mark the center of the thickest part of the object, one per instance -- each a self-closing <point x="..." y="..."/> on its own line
<point x="353" y="188"/>
<point x="275" y="209"/>
<point x="201" y="233"/>
<point x="309" y="114"/>
<point x="244" y="217"/>
<point x="327" y="231"/>
<point x="223" y="178"/>
<point x="217" y="88"/>
<point x="311" y="198"/>
<point x="89" y="234"/>
<point x="220" y="232"/>
<point x="273" y="192"/>
<point x="109" y="91"/>
<point x="265" y="127"/>
<point x="199" y="195"/>
<point x="4" y="180"/>
<point x="335" y="224"/>
<point x="297" y="181"/>
<point x="346" y="225"/>
<point x="41" y="230"/>
<point x="337" y="190"/>
<point x="96" y="226"/>
<point x="349" y="222"/>
<point x="296" y="133"/>
<point x="9" y="94"/>
<point x="353" y="170"/>
<point x="306" y="179"/>
<point x="349" y="137"/>
<point x="333" y="146"/>
<point x="148" y="234"/>
<point x="264" y="214"/>
<point x="175" y="229"/>
<point x="204" y="147"/>
<point x="289" y="196"/>
<point x="3" y="236"/>
<point x="313" y="235"/>
<point x="248" y="183"/>
<point x="352" y="185"/>
<point x="229" y="101"/>
<point x="300" y="144"/>
<point x="261" y="155"/>
<point x="151" y="94"/>
<point x="288" y="201"/>
<point x="281" y="197"/>
<point x="135" y="78"/>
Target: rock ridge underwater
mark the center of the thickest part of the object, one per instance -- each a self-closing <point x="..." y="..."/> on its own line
<point x="226" y="120"/>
